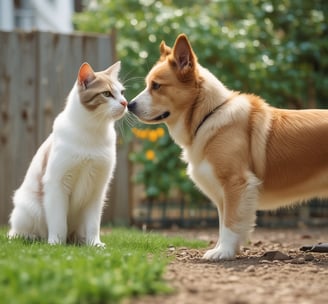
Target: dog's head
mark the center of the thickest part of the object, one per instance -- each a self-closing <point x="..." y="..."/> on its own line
<point x="171" y="86"/>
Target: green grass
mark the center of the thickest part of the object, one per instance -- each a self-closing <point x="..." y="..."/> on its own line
<point x="131" y="264"/>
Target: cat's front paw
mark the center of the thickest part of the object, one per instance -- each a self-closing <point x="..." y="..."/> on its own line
<point x="99" y="245"/>
<point x="56" y="240"/>
<point x="219" y="253"/>
<point x="95" y="243"/>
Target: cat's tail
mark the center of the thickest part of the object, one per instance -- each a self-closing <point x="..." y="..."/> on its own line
<point x="27" y="218"/>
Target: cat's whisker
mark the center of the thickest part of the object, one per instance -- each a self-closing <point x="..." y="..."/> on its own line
<point x="121" y="128"/>
<point x="142" y="79"/>
<point x="127" y="74"/>
<point x="131" y="120"/>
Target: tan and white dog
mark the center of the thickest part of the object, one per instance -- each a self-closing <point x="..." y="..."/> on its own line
<point x="241" y="152"/>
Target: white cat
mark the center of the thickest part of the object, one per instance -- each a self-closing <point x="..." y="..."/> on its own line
<point x="63" y="193"/>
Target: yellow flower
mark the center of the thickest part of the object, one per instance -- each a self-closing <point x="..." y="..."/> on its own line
<point x="152" y="135"/>
<point x="150" y="154"/>
<point x="140" y="133"/>
<point x="143" y="134"/>
<point x="160" y="132"/>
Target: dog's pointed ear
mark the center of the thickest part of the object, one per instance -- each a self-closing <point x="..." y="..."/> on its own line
<point x="164" y="50"/>
<point x="183" y="54"/>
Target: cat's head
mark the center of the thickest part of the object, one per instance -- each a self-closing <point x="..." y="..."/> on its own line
<point x="102" y="92"/>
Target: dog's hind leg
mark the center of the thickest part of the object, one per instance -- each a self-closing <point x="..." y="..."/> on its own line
<point x="237" y="215"/>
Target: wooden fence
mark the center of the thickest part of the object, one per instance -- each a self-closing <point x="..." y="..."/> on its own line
<point x="37" y="71"/>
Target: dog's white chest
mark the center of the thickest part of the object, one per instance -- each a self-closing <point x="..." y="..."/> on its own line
<point x="204" y="176"/>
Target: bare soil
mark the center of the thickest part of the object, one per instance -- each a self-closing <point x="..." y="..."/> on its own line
<point x="271" y="269"/>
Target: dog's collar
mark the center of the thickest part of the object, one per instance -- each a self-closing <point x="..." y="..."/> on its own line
<point x="208" y="115"/>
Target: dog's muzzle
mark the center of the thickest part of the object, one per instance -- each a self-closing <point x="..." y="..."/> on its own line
<point x="132" y="106"/>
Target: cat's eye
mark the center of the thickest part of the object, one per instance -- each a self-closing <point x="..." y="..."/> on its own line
<point x="107" y="94"/>
<point x="155" y="85"/>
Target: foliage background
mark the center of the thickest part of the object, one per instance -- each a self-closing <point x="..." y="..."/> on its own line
<point x="276" y="49"/>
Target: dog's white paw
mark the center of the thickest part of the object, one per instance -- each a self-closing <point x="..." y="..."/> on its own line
<point x="219" y="253"/>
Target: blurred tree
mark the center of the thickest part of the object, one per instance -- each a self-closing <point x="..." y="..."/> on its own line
<point x="276" y="49"/>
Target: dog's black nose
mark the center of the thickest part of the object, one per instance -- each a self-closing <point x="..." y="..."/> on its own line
<point x="131" y="106"/>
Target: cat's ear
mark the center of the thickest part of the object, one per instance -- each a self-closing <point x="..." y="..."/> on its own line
<point x="86" y="75"/>
<point x="114" y="69"/>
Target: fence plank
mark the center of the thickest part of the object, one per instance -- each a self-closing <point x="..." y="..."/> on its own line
<point x="105" y="52"/>
<point x="19" y="104"/>
<point x="5" y="95"/>
<point x="118" y="209"/>
<point x="53" y="88"/>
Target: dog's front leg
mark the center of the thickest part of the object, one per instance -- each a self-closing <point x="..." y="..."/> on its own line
<point x="237" y="216"/>
<point x="228" y="243"/>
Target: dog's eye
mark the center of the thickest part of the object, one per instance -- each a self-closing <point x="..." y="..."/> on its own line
<point x="107" y="94"/>
<point x="122" y="92"/>
<point x="155" y="85"/>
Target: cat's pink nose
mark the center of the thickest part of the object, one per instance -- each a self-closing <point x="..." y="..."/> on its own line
<point x="124" y="103"/>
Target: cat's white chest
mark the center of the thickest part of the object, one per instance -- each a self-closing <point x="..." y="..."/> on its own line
<point x="83" y="160"/>
<point x="81" y="180"/>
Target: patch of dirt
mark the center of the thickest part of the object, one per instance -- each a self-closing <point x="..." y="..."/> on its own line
<point x="270" y="270"/>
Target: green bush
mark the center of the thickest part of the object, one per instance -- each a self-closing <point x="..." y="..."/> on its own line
<point x="162" y="170"/>
<point x="276" y="49"/>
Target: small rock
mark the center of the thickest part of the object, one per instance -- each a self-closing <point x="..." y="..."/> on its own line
<point x="233" y="278"/>
<point x="306" y="236"/>
<point x="275" y="255"/>
<point x="314" y="270"/>
<point x="250" y="268"/>
<point x="265" y="262"/>
<point x="292" y="251"/>
<point x="308" y="257"/>
<point x="258" y="243"/>
<point x="299" y="260"/>
<point x="192" y="289"/>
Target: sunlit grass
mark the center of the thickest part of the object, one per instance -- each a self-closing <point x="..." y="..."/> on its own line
<point x="132" y="264"/>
